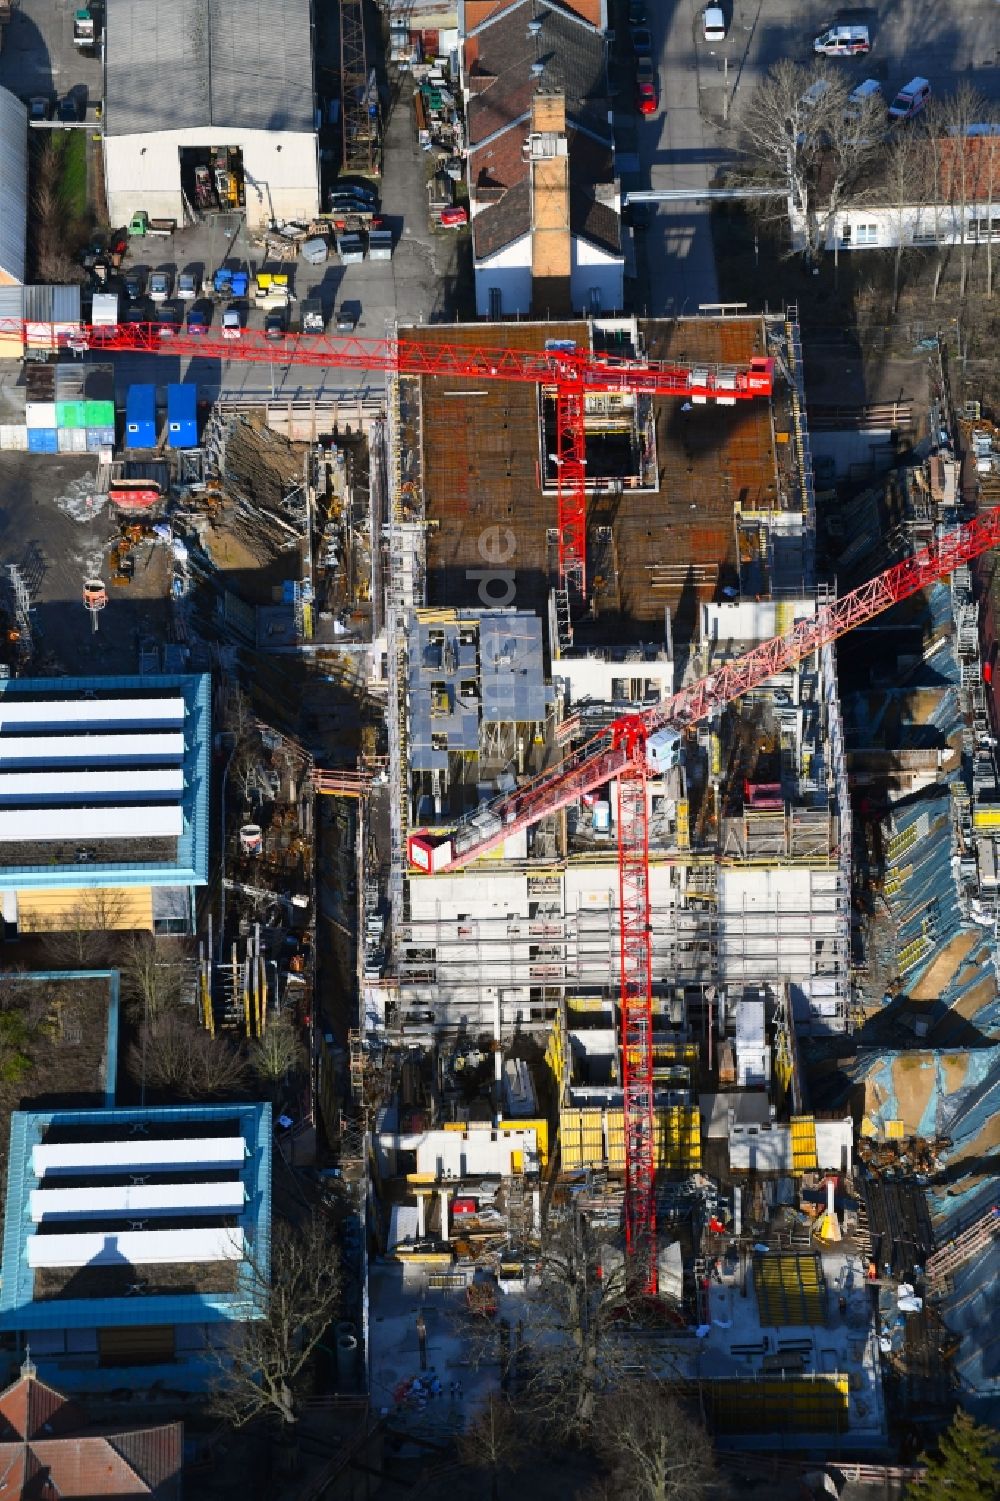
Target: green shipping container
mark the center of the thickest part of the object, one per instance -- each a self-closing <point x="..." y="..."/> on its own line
<point x="72" y="413"/>
<point x="100" y="414"/>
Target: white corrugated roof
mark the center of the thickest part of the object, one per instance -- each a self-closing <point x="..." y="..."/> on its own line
<point x="80" y="713"/>
<point x="137" y="1199"/>
<point x="13" y="184"/>
<point x="94" y="749"/>
<point x="137" y="1247"/>
<point x="136" y="1153"/>
<point x="89" y="786"/>
<point x="131" y="821"/>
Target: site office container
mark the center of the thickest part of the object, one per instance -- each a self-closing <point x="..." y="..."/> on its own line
<point x="182" y="416"/>
<point x="40" y="414"/>
<point x="140" y="417"/>
<point x="43" y="440"/>
<point x="71" y="439"/>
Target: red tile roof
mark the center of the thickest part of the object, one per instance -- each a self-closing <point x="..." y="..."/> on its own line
<point x="43" y="1456"/>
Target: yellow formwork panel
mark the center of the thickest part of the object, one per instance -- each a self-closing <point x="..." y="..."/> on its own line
<point x="571" y="1139"/>
<point x="778" y="1404"/>
<point x="683" y="824"/>
<point x="986" y="818"/>
<point x="804" y="1155"/>
<point x="615" y="1127"/>
<point x="894" y="1130"/>
<point x="586" y="1003"/>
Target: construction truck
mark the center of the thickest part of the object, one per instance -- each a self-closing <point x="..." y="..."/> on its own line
<point x="84" y="29"/>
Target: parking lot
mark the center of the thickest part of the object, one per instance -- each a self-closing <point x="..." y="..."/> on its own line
<point x="39" y="58"/>
<point x="418" y="285"/>
<point x="702" y="87"/>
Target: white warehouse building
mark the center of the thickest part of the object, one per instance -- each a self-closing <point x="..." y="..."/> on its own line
<point x="195" y="85"/>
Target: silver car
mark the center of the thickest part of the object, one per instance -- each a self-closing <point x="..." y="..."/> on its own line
<point x="159" y="286"/>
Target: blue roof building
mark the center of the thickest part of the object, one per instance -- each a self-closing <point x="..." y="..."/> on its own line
<point x="104" y="786"/>
<point x="129" y="1234"/>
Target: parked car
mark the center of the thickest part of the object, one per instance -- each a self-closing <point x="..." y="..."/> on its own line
<point x="138" y="311"/>
<point x="275" y="324"/>
<point x="135" y="284"/>
<point x="843" y="41"/>
<point x="856" y="100"/>
<point x="347" y="320"/>
<point x="646" y="100"/>
<point x="642" y="41"/>
<point x="356" y="185"/>
<point x="637" y="12"/>
<point x="713" y="23"/>
<point x="40" y="107"/>
<point x="168" y="320"/>
<point x="199" y="317"/>
<point x="454" y="217"/>
<point x="68" y="109"/>
<point x="910" y="100"/>
<point x="187" y="286"/>
<point x="232" y="323"/>
<point x="159" y="285"/>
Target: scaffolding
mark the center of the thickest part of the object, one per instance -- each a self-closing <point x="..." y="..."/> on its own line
<point x="359" y="93"/>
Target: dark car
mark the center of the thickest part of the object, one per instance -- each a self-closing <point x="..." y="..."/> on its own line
<point x="347" y="320"/>
<point x="68" y="109"/>
<point x="135" y="284"/>
<point x="199" y="317"/>
<point x="642" y="41"/>
<point x="637" y="12"/>
<point x="168" y="320"/>
<point x="40" y="107"/>
<point x="138" y="311"/>
<point x="274" y="324"/>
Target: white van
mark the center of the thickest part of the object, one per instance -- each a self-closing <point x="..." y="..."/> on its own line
<point x="910" y="100"/>
<point x="843" y="41"/>
<point x="858" y="98"/>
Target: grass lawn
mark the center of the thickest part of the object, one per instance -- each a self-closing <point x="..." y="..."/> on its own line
<point x="72" y="188"/>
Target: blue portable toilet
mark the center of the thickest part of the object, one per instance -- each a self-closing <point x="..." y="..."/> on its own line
<point x="140" y="417"/>
<point x="182" y="416"/>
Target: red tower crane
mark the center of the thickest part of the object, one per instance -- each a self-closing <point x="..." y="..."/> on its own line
<point x="573" y="374"/>
<point x="632" y="747"/>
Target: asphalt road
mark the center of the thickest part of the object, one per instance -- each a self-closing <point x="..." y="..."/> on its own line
<point x="703" y="85"/>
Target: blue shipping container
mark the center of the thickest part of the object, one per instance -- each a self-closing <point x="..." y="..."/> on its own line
<point x="140" y="417"/>
<point x="182" y="416"/>
<point x="100" y="437"/>
<point x="43" y="440"/>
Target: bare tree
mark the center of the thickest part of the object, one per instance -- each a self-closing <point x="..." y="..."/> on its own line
<point x="177" y="1057"/>
<point x="574" y="1350"/>
<point x="298" y="1295"/>
<point x="494" y="1441"/>
<point x="900" y="189"/>
<point x="950" y="118"/>
<point x="80" y="938"/>
<point x="278" y="1053"/>
<point x="801" y="134"/>
<point x="653" y="1450"/>
<point x="153" y="975"/>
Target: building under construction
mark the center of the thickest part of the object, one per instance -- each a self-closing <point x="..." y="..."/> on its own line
<point x="493" y="1014"/>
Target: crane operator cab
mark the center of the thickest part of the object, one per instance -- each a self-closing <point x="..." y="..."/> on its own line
<point x="663" y="751"/>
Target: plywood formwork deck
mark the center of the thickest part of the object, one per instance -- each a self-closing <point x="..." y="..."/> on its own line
<point x="673" y="547"/>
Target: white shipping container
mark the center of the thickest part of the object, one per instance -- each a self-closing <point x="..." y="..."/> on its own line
<point x="14" y="436"/>
<point x="72" y="439"/>
<point x="40" y="414"/>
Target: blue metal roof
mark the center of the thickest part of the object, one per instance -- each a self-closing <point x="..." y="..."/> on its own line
<point x="191" y="864"/>
<point x="18" y="1309"/>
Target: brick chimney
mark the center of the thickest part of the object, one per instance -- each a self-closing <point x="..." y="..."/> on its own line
<point x="548" y="156"/>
